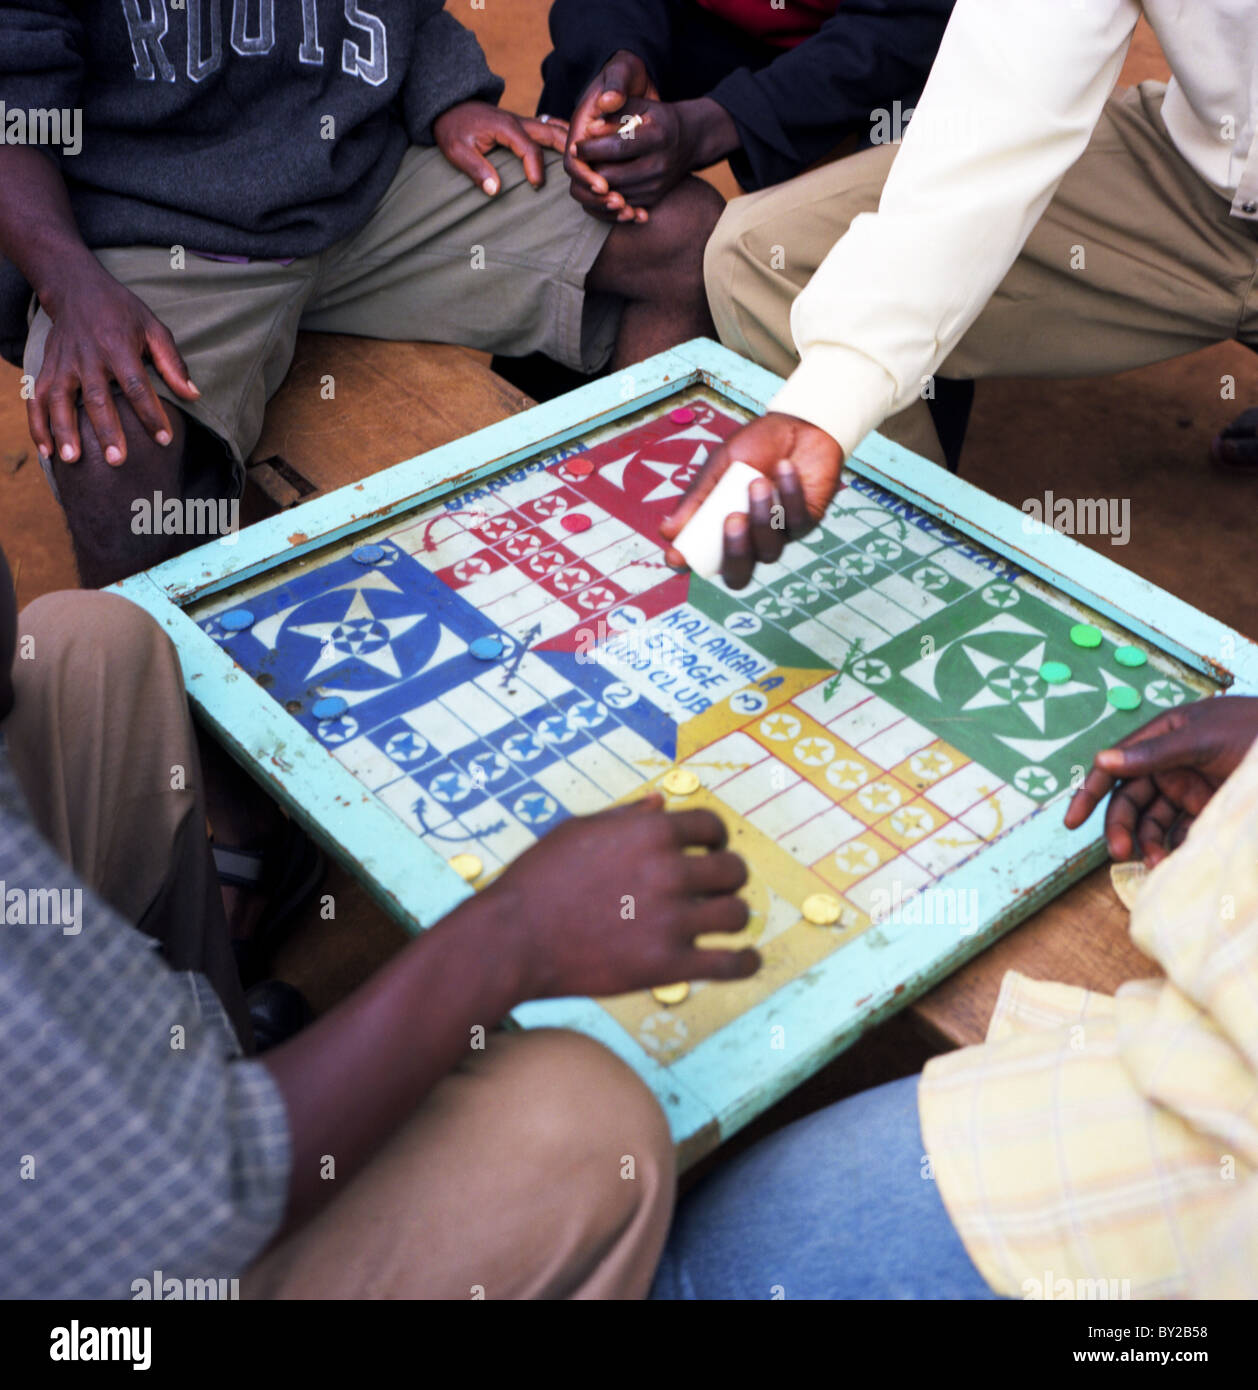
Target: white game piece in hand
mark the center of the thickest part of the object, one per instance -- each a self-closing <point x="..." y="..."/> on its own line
<point x="702" y="539"/>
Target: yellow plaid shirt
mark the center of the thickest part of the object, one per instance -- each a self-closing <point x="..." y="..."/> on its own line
<point x="1116" y="1138"/>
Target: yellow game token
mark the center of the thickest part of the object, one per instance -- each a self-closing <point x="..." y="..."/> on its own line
<point x="670" y="994"/>
<point x="822" y="910"/>
<point x="467" y="866"/>
<point x="680" y="782"/>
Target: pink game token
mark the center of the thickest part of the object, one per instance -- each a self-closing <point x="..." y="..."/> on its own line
<point x="576" y="521"/>
<point x="578" y="468"/>
<point x="683" y="415"/>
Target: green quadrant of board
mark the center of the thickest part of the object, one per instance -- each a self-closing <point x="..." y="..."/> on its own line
<point x="976" y="684"/>
<point x="970" y="669"/>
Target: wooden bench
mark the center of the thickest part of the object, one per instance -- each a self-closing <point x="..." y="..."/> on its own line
<point x="351" y="406"/>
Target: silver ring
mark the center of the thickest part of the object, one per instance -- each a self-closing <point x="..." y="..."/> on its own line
<point x="545" y="120"/>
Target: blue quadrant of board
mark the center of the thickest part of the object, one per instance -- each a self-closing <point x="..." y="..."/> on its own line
<point x="392" y="638"/>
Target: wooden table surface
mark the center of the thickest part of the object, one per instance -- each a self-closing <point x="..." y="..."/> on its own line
<point x="1080" y="938"/>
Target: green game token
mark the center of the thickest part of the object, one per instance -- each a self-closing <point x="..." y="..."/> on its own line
<point x="1124" y="697"/>
<point x="1130" y="656"/>
<point x="1055" y="672"/>
<point x="1085" y="635"/>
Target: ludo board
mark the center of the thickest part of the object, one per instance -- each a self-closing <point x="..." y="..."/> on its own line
<point x="888" y="720"/>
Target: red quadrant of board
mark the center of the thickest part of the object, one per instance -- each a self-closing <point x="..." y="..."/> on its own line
<point x="638" y="478"/>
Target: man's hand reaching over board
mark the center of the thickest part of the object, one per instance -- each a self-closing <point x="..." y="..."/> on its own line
<point x="798" y="460"/>
<point x="627" y="892"/>
<point x="1163" y="775"/>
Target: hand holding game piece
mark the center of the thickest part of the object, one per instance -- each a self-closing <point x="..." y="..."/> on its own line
<point x="624" y="77"/>
<point x="645" y="149"/>
<point x="613" y="902"/>
<point x="805" y="464"/>
<point x="466" y="133"/>
<point x="702" y="540"/>
<point x="1166" y="772"/>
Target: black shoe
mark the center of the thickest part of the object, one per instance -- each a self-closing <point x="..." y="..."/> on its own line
<point x="288" y="871"/>
<point x="277" y="1011"/>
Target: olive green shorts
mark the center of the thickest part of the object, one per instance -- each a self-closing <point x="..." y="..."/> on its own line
<point x="437" y="261"/>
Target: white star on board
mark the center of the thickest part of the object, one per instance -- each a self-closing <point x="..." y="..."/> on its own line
<point x="1000" y="689"/>
<point x="668" y="471"/>
<point x="358" y="634"/>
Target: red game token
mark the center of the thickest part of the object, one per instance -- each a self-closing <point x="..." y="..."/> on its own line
<point x="683" y="415"/>
<point x="578" y="468"/>
<point x="576" y="521"/>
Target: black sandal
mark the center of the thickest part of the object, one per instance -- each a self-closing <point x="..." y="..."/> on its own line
<point x="288" y="871"/>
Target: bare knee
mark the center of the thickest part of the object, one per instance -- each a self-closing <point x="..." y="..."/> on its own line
<point x="104" y="504"/>
<point x="662" y="260"/>
<point x="681" y="225"/>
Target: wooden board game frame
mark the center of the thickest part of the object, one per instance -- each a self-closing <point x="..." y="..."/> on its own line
<point x="764" y="1053"/>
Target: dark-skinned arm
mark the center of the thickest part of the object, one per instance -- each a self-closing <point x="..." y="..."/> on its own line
<point x="353" y="1077"/>
<point x="101" y="332"/>
<point x="554" y="924"/>
<point x="1165" y="774"/>
<point x="611" y="52"/>
<point x="772" y="122"/>
<point x="38" y="232"/>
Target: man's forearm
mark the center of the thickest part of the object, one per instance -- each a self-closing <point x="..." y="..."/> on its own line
<point x="351" y="1079"/>
<point x="38" y="232"/>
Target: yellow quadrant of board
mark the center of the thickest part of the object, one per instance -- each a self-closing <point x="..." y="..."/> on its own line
<point x="778" y="883"/>
<point x="788" y="944"/>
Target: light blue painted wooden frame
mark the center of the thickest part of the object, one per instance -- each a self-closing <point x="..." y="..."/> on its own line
<point x="764" y="1053"/>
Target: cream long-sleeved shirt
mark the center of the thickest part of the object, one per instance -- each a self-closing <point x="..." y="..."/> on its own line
<point x="1011" y="103"/>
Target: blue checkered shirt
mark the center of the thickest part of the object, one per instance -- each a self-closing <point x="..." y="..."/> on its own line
<point x="121" y="1153"/>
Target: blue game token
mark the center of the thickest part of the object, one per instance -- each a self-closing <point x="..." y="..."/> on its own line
<point x="369" y="554"/>
<point x="330" y="707"/>
<point x="487" y="648"/>
<point x="236" y="621"/>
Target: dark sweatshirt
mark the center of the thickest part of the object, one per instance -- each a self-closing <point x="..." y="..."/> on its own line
<point x="265" y="128"/>
<point x="791" y="106"/>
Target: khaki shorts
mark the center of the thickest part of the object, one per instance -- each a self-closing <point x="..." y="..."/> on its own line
<point x="1136" y="259"/>
<point x="437" y="261"/>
